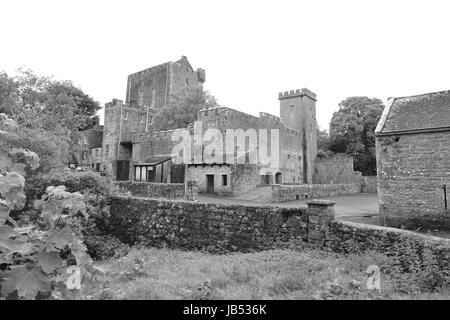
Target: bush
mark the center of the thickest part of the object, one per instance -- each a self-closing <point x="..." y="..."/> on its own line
<point x="101" y="247"/>
<point x="95" y="189"/>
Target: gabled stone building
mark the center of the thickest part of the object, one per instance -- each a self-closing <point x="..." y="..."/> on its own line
<point x="413" y="161"/>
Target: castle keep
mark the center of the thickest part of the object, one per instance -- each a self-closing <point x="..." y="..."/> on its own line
<point x="132" y="150"/>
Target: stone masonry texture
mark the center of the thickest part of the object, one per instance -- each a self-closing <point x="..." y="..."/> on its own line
<point x="412" y="170"/>
<point x="223" y="228"/>
<point x="214" y="227"/>
<point x="151" y="190"/>
<point x="282" y="193"/>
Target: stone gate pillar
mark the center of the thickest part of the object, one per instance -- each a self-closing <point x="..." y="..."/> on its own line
<point x="191" y="190"/>
<point x="320" y="214"/>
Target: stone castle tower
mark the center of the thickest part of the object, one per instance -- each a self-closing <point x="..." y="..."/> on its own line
<point x="147" y="91"/>
<point x="298" y="111"/>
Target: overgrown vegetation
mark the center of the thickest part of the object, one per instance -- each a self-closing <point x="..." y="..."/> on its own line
<point x="46" y="257"/>
<point x="276" y="274"/>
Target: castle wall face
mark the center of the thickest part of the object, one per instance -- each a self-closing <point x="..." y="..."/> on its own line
<point x="412" y="170"/>
<point x="298" y="111"/>
<point x="148" y="87"/>
<point x="336" y="169"/>
<point x="181" y="80"/>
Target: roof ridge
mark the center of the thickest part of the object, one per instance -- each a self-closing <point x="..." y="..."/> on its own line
<point x="422" y="94"/>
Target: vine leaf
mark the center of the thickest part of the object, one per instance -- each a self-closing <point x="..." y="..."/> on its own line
<point x="4" y="212"/>
<point x="7" y="232"/>
<point x="79" y="251"/>
<point x="60" y="238"/>
<point x="10" y="181"/>
<point x="28" y="283"/>
<point x="49" y="261"/>
<point x="16" y="246"/>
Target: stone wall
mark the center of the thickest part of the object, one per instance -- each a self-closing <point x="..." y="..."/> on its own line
<point x="214" y="227"/>
<point x="409" y="250"/>
<point x="412" y="170"/>
<point x="335" y="169"/>
<point x="223" y="228"/>
<point x="282" y="193"/>
<point x="151" y="190"/>
<point x="369" y="184"/>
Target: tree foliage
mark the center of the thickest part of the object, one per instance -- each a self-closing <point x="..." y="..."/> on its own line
<point x="43" y="106"/>
<point x="352" y="131"/>
<point x="184" y="111"/>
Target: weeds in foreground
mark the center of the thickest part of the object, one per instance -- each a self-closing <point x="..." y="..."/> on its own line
<point x="275" y="274"/>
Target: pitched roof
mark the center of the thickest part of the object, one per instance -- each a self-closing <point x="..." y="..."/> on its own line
<point x="425" y="112"/>
<point x="156" y="160"/>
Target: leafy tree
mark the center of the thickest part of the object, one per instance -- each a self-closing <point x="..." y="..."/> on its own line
<point x="352" y="131"/>
<point x="323" y="140"/>
<point x="184" y="111"/>
<point x="54" y="111"/>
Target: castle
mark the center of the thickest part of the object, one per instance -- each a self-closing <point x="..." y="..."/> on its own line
<point x="132" y="150"/>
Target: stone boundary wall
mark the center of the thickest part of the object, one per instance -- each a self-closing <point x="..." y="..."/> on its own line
<point x="410" y="250"/>
<point x="282" y="192"/>
<point x="223" y="228"/>
<point x="150" y="189"/>
<point x="369" y="184"/>
<point x="210" y="226"/>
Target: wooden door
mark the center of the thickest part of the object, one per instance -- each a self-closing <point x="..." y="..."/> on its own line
<point x="209" y="183"/>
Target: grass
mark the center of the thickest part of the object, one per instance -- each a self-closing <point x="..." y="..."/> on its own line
<point x="276" y="274"/>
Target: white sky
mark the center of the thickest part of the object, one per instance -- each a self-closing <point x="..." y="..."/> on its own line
<point x="251" y="50"/>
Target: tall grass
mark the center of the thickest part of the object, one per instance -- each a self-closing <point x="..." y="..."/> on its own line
<point x="275" y="274"/>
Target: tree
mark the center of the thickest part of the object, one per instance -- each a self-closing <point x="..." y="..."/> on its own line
<point x="37" y="101"/>
<point x="184" y="111"/>
<point x="352" y="131"/>
<point x="53" y="110"/>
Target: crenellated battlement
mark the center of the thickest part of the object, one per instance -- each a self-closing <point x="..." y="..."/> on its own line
<point x="297" y="93"/>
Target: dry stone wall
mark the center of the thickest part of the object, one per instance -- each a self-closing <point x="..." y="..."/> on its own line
<point x="214" y="227"/>
<point x="222" y="228"/>
<point x="282" y="193"/>
<point x="151" y="190"/>
<point x="369" y="184"/>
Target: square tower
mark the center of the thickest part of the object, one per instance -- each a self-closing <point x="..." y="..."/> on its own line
<point x="298" y="111"/>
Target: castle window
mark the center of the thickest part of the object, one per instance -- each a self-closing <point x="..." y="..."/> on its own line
<point x="289" y="156"/>
<point x="84" y="155"/>
<point x="224" y="180"/>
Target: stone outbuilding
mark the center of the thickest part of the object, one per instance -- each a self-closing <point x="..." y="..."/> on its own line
<point x="413" y="161"/>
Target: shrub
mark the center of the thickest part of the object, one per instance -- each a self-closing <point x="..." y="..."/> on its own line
<point x="101" y="246"/>
<point x="95" y="189"/>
